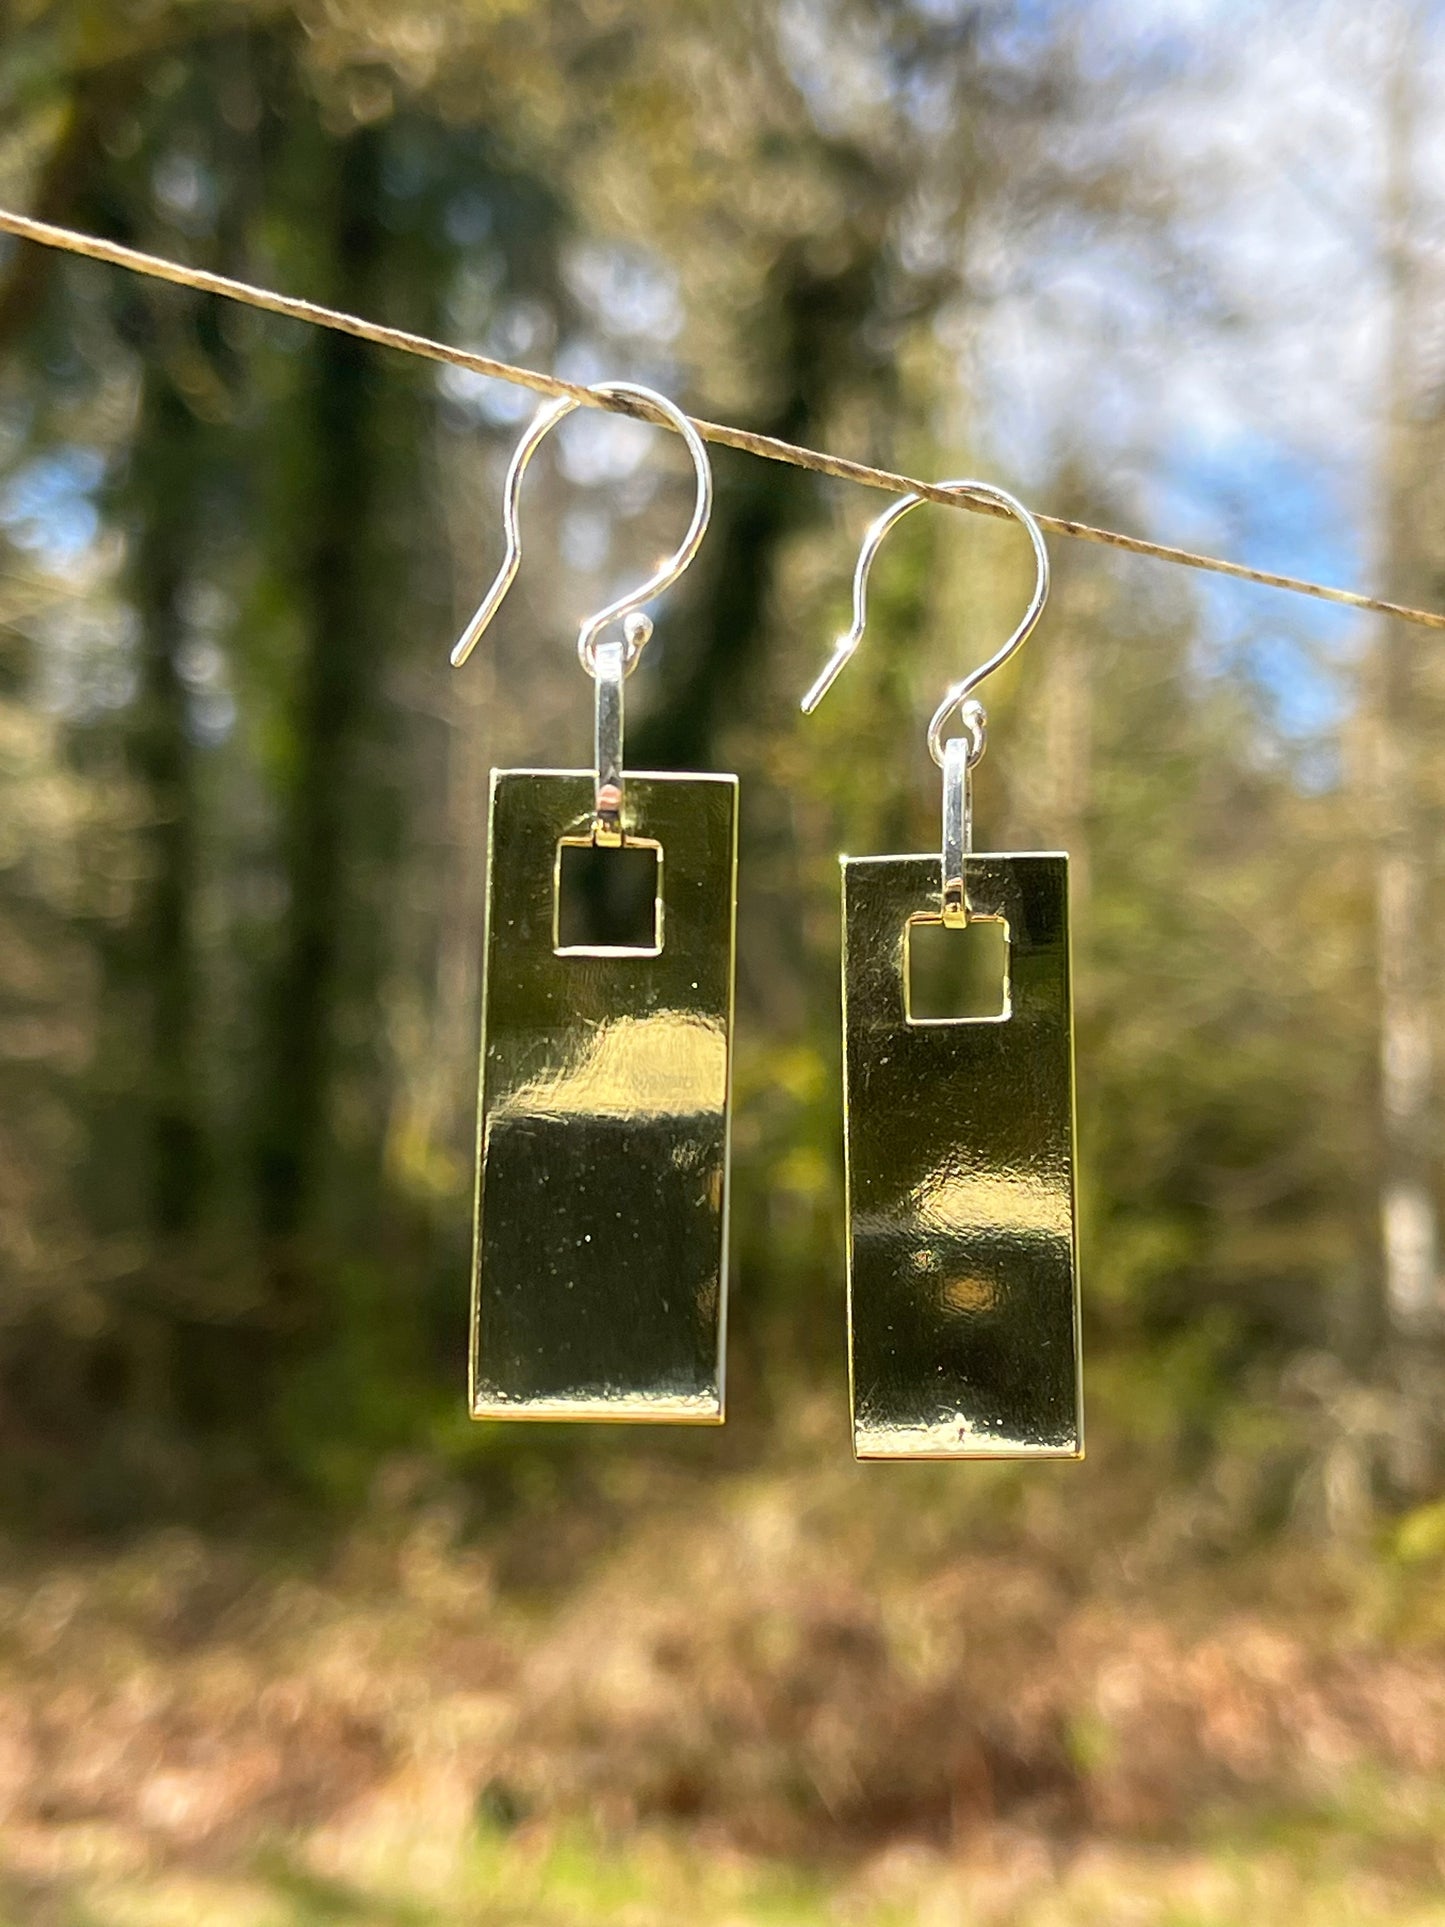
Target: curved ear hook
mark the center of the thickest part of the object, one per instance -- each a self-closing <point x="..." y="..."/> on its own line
<point x="637" y="626"/>
<point x="956" y="697"/>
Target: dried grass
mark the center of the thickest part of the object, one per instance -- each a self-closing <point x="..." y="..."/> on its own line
<point x="818" y="1666"/>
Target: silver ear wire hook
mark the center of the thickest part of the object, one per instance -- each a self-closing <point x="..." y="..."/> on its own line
<point x="610" y="662"/>
<point x="637" y="626"/>
<point x="956" y="755"/>
<point x="959" y="692"/>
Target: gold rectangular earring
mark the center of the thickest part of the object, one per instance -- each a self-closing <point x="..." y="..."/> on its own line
<point x="600" y="1271"/>
<point x="959" y="1127"/>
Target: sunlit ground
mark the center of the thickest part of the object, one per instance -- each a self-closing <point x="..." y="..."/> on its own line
<point x="644" y="1690"/>
<point x="1342" y="1867"/>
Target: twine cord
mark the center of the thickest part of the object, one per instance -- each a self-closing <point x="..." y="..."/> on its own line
<point x="69" y="241"/>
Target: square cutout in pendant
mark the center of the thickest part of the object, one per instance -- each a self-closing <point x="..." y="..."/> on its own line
<point x="607" y="898"/>
<point x="956" y="973"/>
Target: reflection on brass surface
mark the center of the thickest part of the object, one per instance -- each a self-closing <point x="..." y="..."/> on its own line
<point x="600" y="1273"/>
<point x="962" y="1269"/>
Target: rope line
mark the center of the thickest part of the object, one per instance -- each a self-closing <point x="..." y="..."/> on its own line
<point x="69" y="241"/>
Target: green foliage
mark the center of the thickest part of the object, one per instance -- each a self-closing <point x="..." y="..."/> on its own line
<point x="427" y="1673"/>
<point x="240" y="883"/>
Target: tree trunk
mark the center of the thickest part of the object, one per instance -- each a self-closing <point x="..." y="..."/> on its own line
<point x="1404" y="875"/>
<point x="164" y="486"/>
<point x="336" y="694"/>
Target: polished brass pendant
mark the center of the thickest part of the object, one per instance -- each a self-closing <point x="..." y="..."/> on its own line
<point x="599" y="1281"/>
<point x="962" y="1266"/>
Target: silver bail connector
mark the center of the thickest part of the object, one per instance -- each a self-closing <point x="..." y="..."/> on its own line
<point x="958" y="761"/>
<point x="609" y="668"/>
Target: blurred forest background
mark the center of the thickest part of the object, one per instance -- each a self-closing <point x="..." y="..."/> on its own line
<point x="284" y="1638"/>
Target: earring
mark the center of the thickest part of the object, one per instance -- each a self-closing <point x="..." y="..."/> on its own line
<point x="600" y="1268"/>
<point x="963" y="1321"/>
